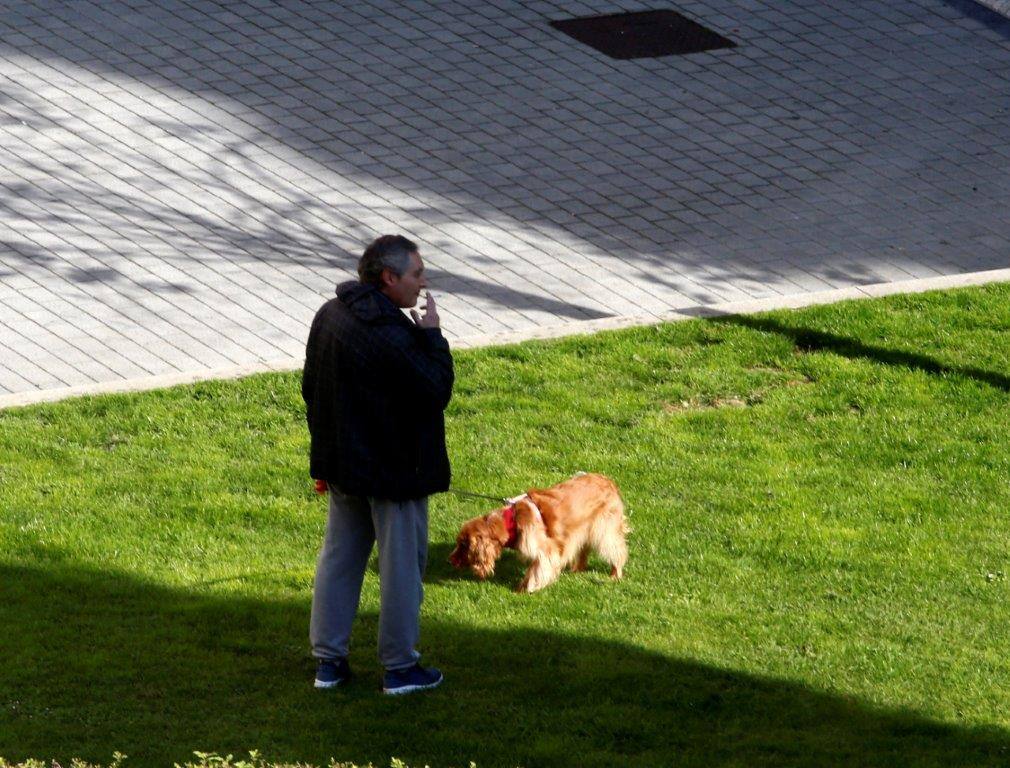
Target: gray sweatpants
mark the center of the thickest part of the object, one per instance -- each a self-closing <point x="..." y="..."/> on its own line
<point x="354" y="524"/>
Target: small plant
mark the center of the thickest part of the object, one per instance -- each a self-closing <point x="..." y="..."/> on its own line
<point x="206" y="760"/>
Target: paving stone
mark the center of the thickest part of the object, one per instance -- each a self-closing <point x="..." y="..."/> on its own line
<point x="232" y="159"/>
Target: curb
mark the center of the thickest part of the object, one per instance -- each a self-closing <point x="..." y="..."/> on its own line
<point x="794" y="301"/>
<point x="1002" y="7"/>
<point x="576" y="328"/>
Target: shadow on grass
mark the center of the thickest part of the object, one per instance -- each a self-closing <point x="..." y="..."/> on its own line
<point x="95" y="662"/>
<point x="808" y="340"/>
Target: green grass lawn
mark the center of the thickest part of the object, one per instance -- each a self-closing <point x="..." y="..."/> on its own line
<point x="818" y="570"/>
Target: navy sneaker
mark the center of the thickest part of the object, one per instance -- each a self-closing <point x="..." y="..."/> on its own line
<point x="332" y="672"/>
<point x="415" y="678"/>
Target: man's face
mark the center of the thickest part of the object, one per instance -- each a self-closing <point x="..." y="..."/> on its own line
<point x="404" y="289"/>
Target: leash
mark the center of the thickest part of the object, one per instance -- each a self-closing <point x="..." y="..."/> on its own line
<point x="499" y="499"/>
<point x="470" y="494"/>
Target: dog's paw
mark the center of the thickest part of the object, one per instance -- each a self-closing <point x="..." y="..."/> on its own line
<point x="525" y="587"/>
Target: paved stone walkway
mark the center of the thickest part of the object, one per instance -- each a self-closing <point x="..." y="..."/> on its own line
<point x="184" y="182"/>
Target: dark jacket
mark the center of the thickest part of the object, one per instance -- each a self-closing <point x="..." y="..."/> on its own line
<point x="375" y="387"/>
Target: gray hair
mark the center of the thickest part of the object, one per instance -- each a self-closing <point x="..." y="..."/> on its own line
<point x="390" y="252"/>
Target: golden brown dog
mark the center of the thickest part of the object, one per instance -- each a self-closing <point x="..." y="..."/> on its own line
<point x="552" y="528"/>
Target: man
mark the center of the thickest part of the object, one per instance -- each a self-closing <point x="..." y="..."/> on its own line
<point x="375" y="387"/>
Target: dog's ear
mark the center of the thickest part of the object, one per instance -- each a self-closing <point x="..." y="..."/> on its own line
<point x="483" y="554"/>
<point x="460" y="555"/>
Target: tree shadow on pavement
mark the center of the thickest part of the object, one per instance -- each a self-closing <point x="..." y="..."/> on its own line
<point x="286" y="135"/>
<point x="96" y="662"/>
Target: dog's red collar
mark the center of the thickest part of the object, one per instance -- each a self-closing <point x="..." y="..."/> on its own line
<point x="508" y="515"/>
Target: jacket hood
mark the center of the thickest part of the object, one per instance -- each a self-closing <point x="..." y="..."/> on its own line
<point x="367" y="302"/>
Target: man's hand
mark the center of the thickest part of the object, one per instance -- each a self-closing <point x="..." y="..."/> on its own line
<point x="430" y="317"/>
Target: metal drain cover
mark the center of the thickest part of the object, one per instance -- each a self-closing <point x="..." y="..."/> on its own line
<point x="643" y="34"/>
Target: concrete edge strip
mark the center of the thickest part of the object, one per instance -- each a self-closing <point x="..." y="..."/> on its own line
<point x="1002" y="7"/>
<point x="575" y="328"/>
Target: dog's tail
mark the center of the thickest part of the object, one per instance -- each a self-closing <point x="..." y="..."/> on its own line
<point x="623" y="511"/>
<point x="613" y="547"/>
<point x="625" y="523"/>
